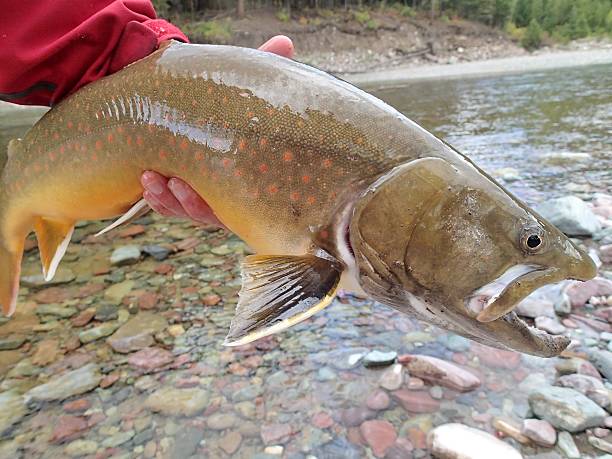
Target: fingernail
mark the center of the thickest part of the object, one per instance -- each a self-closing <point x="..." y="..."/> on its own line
<point x="178" y="190"/>
<point x="152" y="183"/>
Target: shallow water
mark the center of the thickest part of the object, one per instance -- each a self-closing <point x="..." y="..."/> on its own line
<point x="303" y="392"/>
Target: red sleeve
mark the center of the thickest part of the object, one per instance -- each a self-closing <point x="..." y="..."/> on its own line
<point x="50" y="48"/>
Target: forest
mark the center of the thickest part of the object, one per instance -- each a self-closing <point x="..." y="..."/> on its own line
<point x="528" y="21"/>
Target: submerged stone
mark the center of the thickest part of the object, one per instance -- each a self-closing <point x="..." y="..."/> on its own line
<point x="61" y="387"/>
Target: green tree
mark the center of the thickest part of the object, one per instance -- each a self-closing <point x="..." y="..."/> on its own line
<point x="533" y="36"/>
<point x="537" y="10"/>
<point x="522" y="13"/>
<point x="579" y="26"/>
<point x="502" y="12"/>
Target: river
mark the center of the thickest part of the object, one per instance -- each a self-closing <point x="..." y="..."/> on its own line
<point x="305" y="393"/>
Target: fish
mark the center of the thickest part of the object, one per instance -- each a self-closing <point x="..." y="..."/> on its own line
<point x="331" y="187"/>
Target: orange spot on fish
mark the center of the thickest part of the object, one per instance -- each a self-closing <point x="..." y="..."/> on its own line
<point x="254" y="194"/>
<point x="52" y="156"/>
<point x="120" y="129"/>
<point x="263" y="141"/>
<point x="226" y="162"/>
<point x="294" y="196"/>
<point x="70" y="124"/>
<point x="94" y="157"/>
<point x="238" y="173"/>
<point x="263" y="168"/>
<point x="287" y="156"/>
<point x="37" y="167"/>
<point x="327" y="162"/>
<point x="184" y="144"/>
<point x="110" y="137"/>
<point x="310" y="200"/>
<point x="333" y="195"/>
<point x="203" y="171"/>
<point x="242" y="144"/>
<point x="139" y="141"/>
<point x="306" y="178"/>
<point x="272" y="189"/>
<point x="55" y="135"/>
<point x="77" y="146"/>
<point x="98" y="145"/>
<point x="62" y="149"/>
<point x="128" y="140"/>
<point x="163" y="154"/>
<point x="199" y="156"/>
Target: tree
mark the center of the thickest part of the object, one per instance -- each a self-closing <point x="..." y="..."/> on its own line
<point x="533" y="36"/>
<point x="522" y="13"/>
<point x="501" y="12"/>
<point x="579" y="26"/>
<point x="537" y="10"/>
<point x="240" y="8"/>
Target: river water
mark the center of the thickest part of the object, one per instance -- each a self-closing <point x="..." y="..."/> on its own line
<point x="306" y="392"/>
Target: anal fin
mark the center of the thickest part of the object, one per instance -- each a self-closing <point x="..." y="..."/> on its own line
<point x="10" y="268"/>
<point x="137" y="210"/>
<point x="279" y="292"/>
<point x="53" y="239"/>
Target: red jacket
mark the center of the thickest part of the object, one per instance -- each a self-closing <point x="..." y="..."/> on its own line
<point x="50" y="48"/>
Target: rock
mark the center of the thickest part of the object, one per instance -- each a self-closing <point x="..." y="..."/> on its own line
<point x="582" y="383"/>
<point x="602" y="361"/>
<point x="571" y="215"/>
<point x="106" y="312"/>
<point x="12" y="409"/>
<point x="275" y="433"/>
<point x="510" y="429"/>
<point x="186" y="442"/>
<point x="68" y="427"/>
<point x="576" y="365"/>
<point x="72" y="383"/>
<point x="416" y="401"/>
<point x="378" y="358"/>
<point x="62" y="276"/>
<point x="230" y="442"/>
<point x="247" y="393"/>
<point x="600" y="444"/>
<point x="549" y="325"/>
<point x="95" y="333"/>
<point x="177" y="402"/>
<point x="352" y="417"/>
<point x="441" y="372"/>
<point x="156" y="251"/>
<point x="137" y="333"/>
<point x="79" y="448"/>
<point x="125" y="255"/>
<point x="118" y="439"/>
<point x="56" y="310"/>
<point x="497" y="358"/>
<point x="540" y="432"/>
<point x="535" y="307"/>
<point x="580" y="292"/>
<point x="84" y="317"/>
<point x="566" y="445"/>
<point x="150" y="358"/>
<point x="566" y="408"/>
<point x="221" y="421"/>
<point x="563" y="304"/>
<point x="11" y="342"/>
<point x="115" y="293"/>
<point x="392" y="378"/>
<point x="322" y="420"/>
<point x="380" y="435"/>
<point x="457" y="441"/>
<point x="378" y="400"/>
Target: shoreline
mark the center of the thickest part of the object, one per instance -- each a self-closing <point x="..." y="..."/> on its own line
<point x="482" y="68"/>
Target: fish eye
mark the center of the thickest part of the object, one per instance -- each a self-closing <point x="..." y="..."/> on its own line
<point x="532" y="240"/>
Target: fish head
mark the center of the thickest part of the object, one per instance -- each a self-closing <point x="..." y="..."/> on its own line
<point x="444" y="242"/>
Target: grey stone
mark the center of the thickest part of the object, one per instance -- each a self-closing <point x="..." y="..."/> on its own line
<point x="600" y="444"/>
<point x="563" y="304"/>
<point x="566" y="408"/>
<point x="392" y="378"/>
<point x="118" y="439"/>
<point x="177" y="402"/>
<point x="125" y="255"/>
<point x="106" y="312"/>
<point x="571" y="215"/>
<point x="566" y="445"/>
<point x="186" y="442"/>
<point x="79" y="448"/>
<point x="12" y="409"/>
<point x="94" y="333"/>
<point x="535" y="307"/>
<point x="61" y="387"/>
<point x="11" y="342"/>
<point x="56" y="310"/>
<point x="549" y="325"/>
<point x="156" y="251"/>
<point x="137" y="333"/>
<point x="221" y="421"/>
<point x="602" y="361"/>
<point x="247" y="393"/>
<point x="378" y="358"/>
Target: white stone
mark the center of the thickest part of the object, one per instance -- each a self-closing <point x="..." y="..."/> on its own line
<point x="457" y="441"/>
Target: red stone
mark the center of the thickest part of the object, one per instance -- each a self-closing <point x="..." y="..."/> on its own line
<point x="188" y="243"/>
<point x="378" y="400"/>
<point x="89" y="289"/>
<point x="78" y="405"/>
<point x="580" y="292"/>
<point x="322" y="420"/>
<point x="497" y="358"/>
<point x="132" y="230"/>
<point x="355" y="437"/>
<point x="68" y="428"/>
<point x="109" y="380"/>
<point x="84" y="317"/>
<point x="416" y="401"/>
<point x="148" y="300"/>
<point x="275" y="433"/>
<point x="150" y="358"/>
<point x="53" y="295"/>
<point x="380" y="435"/>
<point x="163" y="268"/>
<point x="441" y="372"/>
<point x="95" y="418"/>
<point x="417" y="438"/>
<point x="211" y="299"/>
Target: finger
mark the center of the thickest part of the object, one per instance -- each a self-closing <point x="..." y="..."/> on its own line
<point x="156" y="205"/>
<point x="157" y="185"/>
<point x="194" y="205"/>
<point x="280" y="44"/>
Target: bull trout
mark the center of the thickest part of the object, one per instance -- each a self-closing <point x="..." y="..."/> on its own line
<point x="330" y="186"/>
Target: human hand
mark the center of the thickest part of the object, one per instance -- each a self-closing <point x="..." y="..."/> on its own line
<point x="175" y="198"/>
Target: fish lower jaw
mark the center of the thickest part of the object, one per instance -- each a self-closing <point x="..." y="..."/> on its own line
<point x="541" y="343"/>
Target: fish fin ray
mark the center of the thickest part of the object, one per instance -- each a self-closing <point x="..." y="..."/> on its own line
<point x="136" y="211"/>
<point x="53" y="239"/>
<point x="269" y="307"/>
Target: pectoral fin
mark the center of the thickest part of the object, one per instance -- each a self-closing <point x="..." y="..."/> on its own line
<point x="279" y="292"/>
<point x="136" y="211"/>
<point x="53" y="239"/>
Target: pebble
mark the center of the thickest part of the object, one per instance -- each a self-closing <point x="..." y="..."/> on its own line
<point x="549" y="325"/>
<point x="72" y="383"/>
<point x="79" y="448"/>
<point x="150" y="358"/>
<point x="230" y="442"/>
<point x="247" y="393"/>
<point x="137" y="333"/>
<point x="322" y="420"/>
<point x="580" y="292"/>
<point x="510" y="429"/>
<point x="541" y="432"/>
<point x="392" y="378"/>
<point x="10" y="342"/>
<point x="158" y="252"/>
<point x="274" y="433"/>
<point x="57" y="310"/>
<point x="125" y="255"/>
<point x="571" y="215"/>
<point x="115" y="293"/>
<point x="567" y="446"/>
<point x="221" y="421"/>
<point x="68" y="428"/>
<point x="177" y="402"/>
<point x="602" y="361"/>
<point x="566" y="408"/>
<point x="416" y="401"/>
<point x="95" y="333"/>
<point x="13" y="409"/>
<point x="441" y="372"/>
<point x="535" y="307"/>
<point x="378" y="400"/>
<point x="380" y="435"/>
<point x="276" y="450"/>
<point x="118" y="439"/>
<point x="458" y="441"/>
<point x="600" y="444"/>
<point x="378" y="358"/>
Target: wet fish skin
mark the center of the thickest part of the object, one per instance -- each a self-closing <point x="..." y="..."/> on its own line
<point x="288" y="158"/>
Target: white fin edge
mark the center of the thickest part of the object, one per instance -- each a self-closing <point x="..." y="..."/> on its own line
<point x="57" y="257"/>
<point x="284" y="324"/>
<point x="126" y="217"/>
